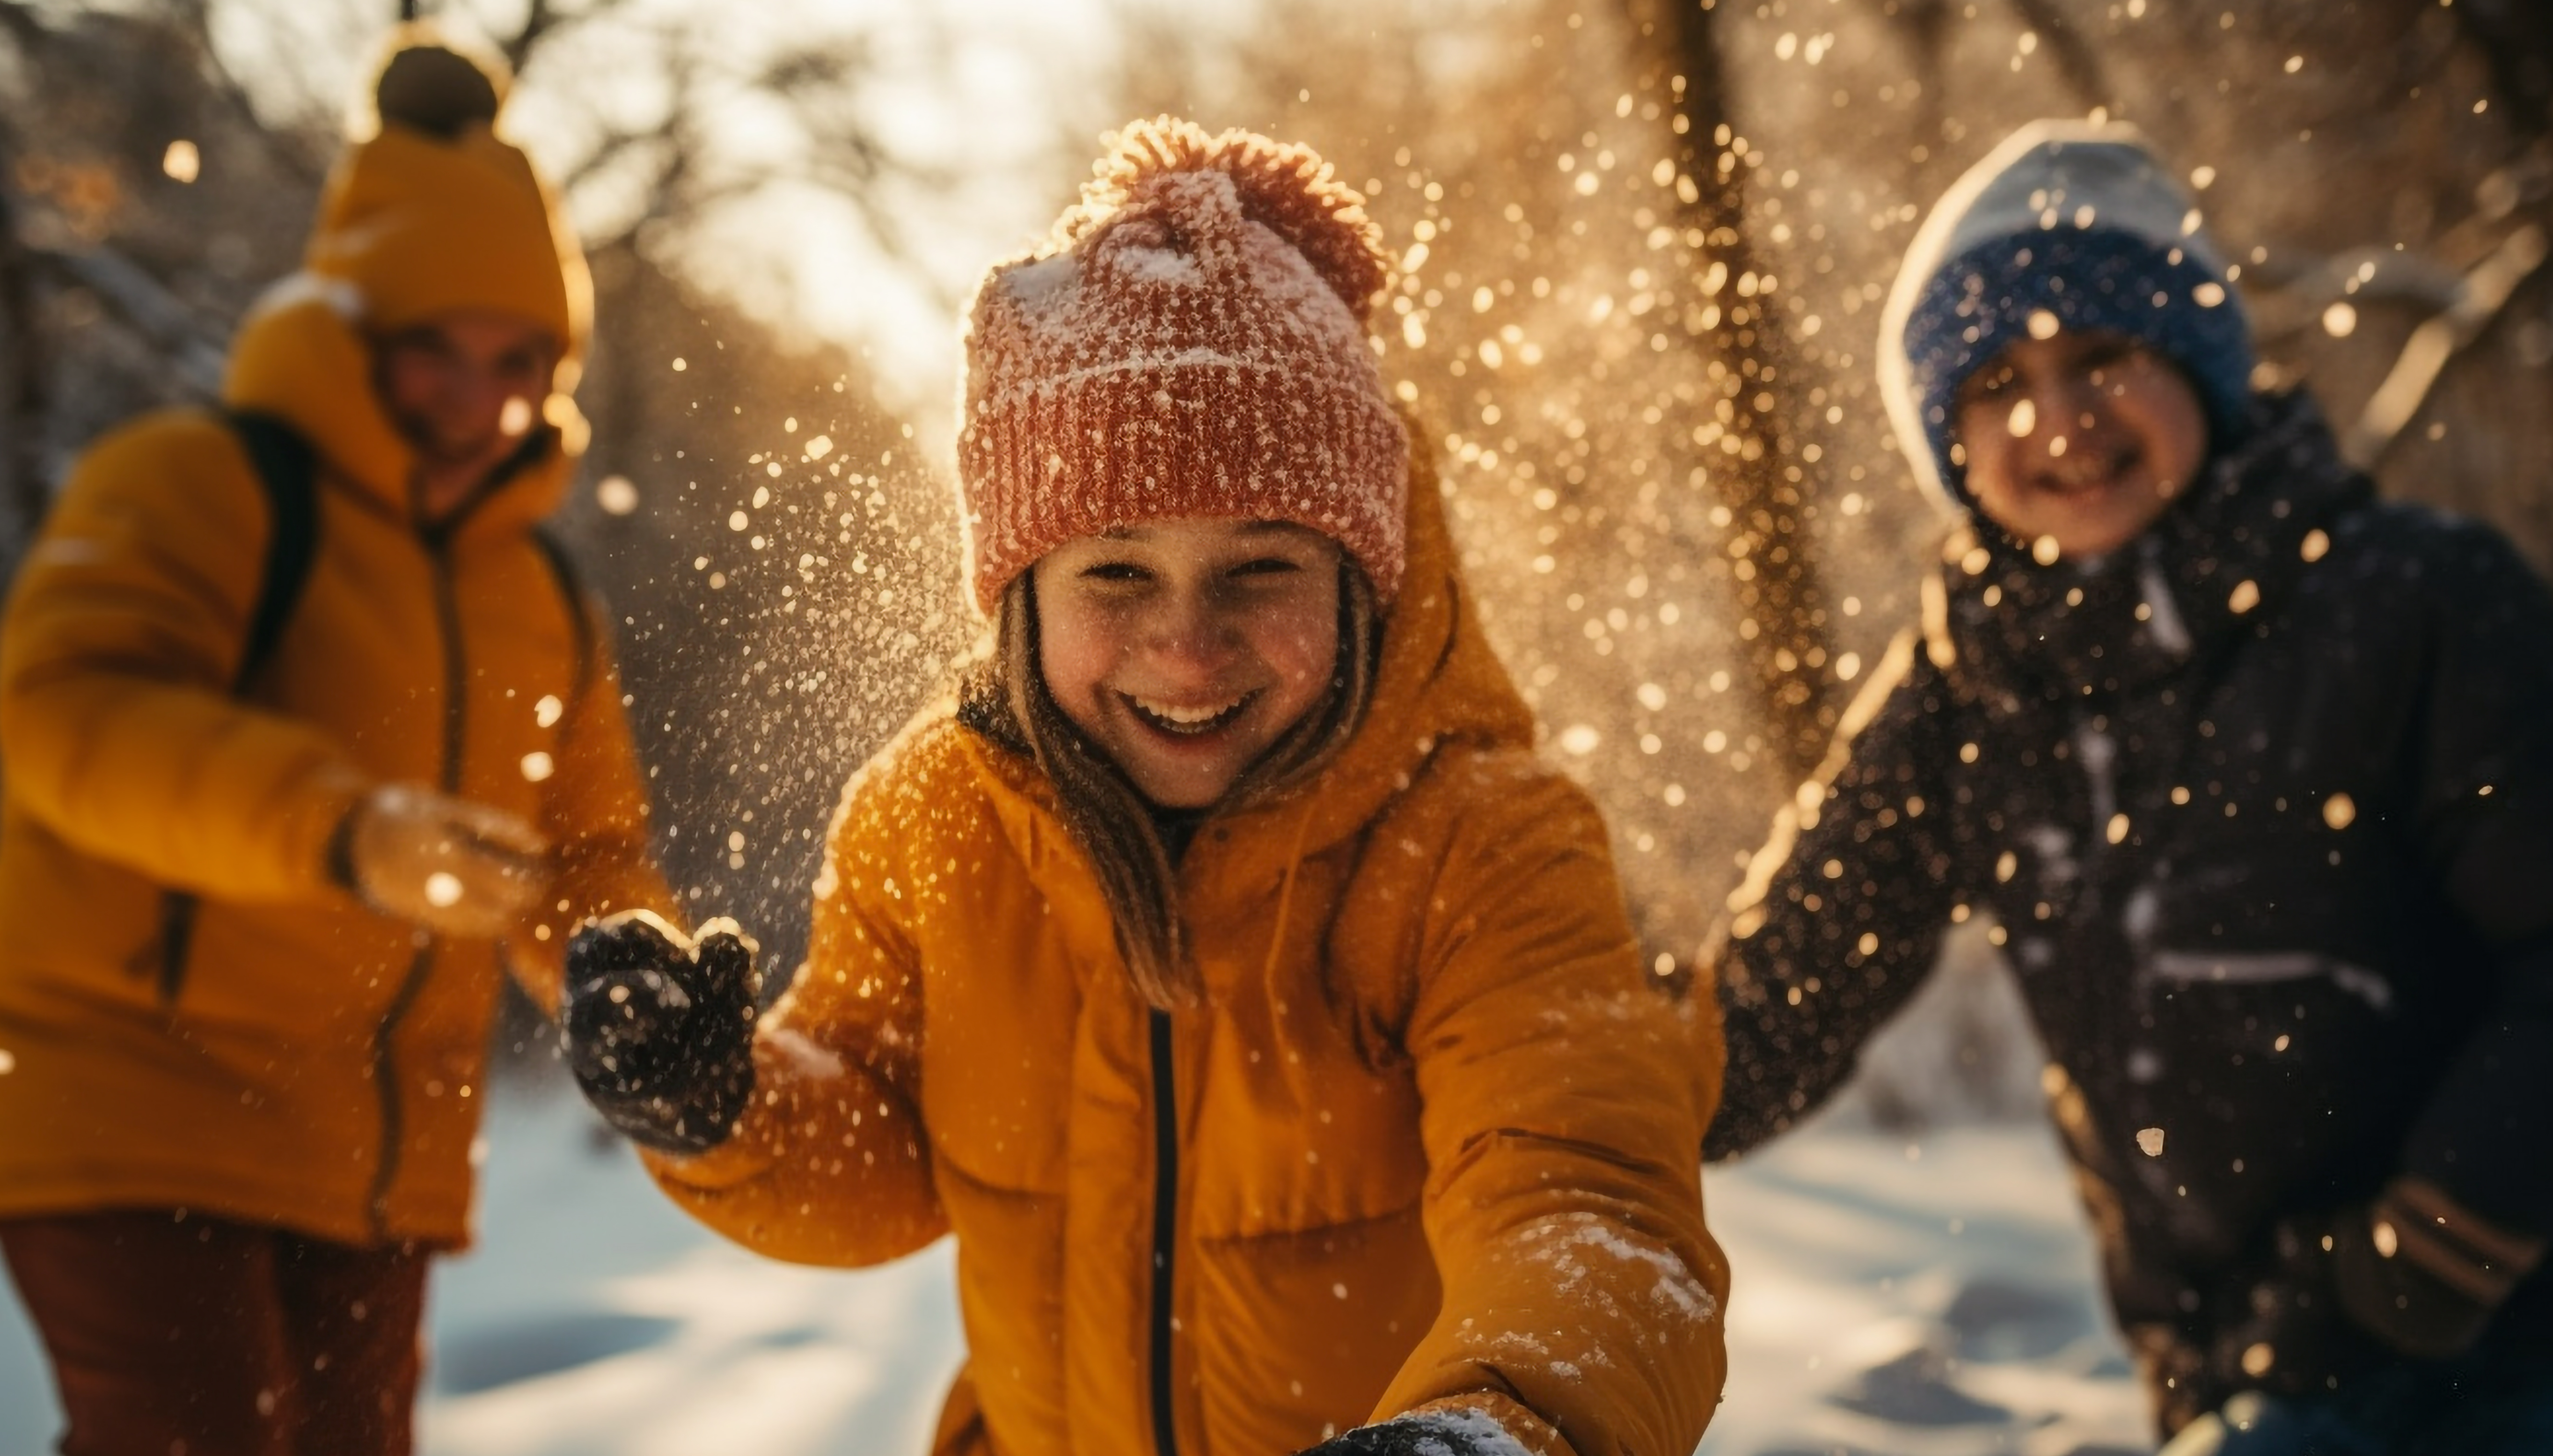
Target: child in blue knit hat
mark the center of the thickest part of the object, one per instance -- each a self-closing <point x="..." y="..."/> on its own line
<point x="2254" y="775"/>
<point x="2068" y="253"/>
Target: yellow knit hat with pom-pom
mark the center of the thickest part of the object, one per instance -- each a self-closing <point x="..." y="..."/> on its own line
<point x="434" y="212"/>
<point x="1190" y="342"/>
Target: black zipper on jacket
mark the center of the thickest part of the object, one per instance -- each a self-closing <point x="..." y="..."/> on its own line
<point x="1165" y="1218"/>
<point x="456" y="682"/>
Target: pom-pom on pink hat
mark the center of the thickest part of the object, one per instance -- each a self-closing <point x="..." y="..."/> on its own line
<point x="1189" y="342"/>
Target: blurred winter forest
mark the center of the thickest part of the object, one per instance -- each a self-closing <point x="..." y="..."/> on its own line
<point x="1643" y="247"/>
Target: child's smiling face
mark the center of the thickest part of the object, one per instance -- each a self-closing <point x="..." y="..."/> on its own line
<point x="1185" y="648"/>
<point x="2082" y="438"/>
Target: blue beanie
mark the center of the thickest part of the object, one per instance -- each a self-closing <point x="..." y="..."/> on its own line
<point x="2077" y="220"/>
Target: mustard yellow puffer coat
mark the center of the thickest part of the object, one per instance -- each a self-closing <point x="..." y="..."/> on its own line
<point x="299" y="1060"/>
<point x="1433" y="1141"/>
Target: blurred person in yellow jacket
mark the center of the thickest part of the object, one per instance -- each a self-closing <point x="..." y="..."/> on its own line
<point x="1220" y="967"/>
<point x="308" y="734"/>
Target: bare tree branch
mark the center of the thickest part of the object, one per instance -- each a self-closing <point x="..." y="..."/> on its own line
<point x="2075" y="59"/>
<point x="139" y="298"/>
<point x="18" y="21"/>
<point x="303" y="145"/>
<point x="1925" y="25"/>
<point x="845" y="155"/>
<point x="616" y="143"/>
<point x="2435" y="344"/>
<point x="188" y="343"/>
<point x="544" y="21"/>
<point x="538" y="18"/>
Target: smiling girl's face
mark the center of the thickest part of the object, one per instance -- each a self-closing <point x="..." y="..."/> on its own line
<point x="1185" y="648"/>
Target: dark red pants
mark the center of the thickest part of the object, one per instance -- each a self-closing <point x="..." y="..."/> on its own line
<point x="180" y="1335"/>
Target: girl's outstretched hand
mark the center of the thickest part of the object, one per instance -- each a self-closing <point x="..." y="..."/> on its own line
<point x="1438" y="1432"/>
<point x="659" y="1027"/>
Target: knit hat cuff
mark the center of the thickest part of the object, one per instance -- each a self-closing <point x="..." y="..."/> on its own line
<point x="2096" y="278"/>
<point x="531" y="290"/>
<point x="1152" y="439"/>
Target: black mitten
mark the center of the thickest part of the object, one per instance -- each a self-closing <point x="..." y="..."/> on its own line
<point x="2423" y="1273"/>
<point x="1425" y="1433"/>
<point x="659" y="1027"/>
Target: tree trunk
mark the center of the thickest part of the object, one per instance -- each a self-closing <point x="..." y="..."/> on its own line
<point x="1757" y="468"/>
<point x="24" y="374"/>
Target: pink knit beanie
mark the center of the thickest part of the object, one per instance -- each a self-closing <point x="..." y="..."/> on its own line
<point x="1189" y="342"/>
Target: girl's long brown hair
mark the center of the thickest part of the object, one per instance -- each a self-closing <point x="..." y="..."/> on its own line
<point x="1004" y="696"/>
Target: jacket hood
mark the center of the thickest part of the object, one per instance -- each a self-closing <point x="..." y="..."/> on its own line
<point x="302" y="358"/>
<point x="1437" y="681"/>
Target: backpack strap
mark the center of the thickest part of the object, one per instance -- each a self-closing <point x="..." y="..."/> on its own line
<point x="287" y="468"/>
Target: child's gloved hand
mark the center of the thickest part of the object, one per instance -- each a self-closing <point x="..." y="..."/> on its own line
<point x="1425" y="1433"/>
<point x="444" y="864"/>
<point x="2411" y="1273"/>
<point x="2424" y="1274"/>
<point x="659" y="1027"/>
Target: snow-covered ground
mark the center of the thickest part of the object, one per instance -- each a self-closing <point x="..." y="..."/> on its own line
<point x="1932" y="1299"/>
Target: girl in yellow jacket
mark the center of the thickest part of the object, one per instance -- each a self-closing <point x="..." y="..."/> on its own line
<point x="1220" y="967"/>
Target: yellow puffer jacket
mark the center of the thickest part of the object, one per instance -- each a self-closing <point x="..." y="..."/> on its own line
<point x="295" y="1059"/>
<point x="1435" y="1141"/>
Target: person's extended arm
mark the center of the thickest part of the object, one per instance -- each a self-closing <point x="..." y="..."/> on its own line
<point x="1561" y="1115"/>
<point x="594" y="815"/>
<point x="117" y="719"/>
<point x="124" y="734"/>
<point x="1841" y="914"/>
<point x="797" y="1133"/>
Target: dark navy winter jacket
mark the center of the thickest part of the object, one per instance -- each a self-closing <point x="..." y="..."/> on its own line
<point x="2263" y="809"/>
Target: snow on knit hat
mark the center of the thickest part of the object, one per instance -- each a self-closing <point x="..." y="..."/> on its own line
<point x="434" y="212"/>
<point x="2078" y="221"/>
<point x="1189" y="342"/>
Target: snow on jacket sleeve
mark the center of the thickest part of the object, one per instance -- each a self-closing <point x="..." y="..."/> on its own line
<point x="831" y="1165"/>
<point x="1841" y="916"/>
<point x="594" y="811"/>
<point x="117" y="719"/>
<point x="1561" y="1119"/>
<point x="2484" y="819"/>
